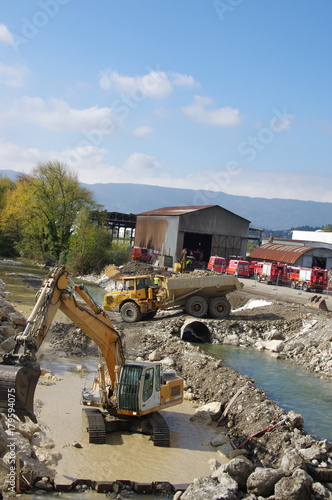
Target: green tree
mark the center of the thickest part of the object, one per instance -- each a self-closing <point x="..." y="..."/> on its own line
<point x="6" y="243"/>
<point x="90" y="246"/>
<point x="327" y="227"/>
<point x="251" y="245"/>
<point x="120" y="252"/>
<point x="41" y="210"/>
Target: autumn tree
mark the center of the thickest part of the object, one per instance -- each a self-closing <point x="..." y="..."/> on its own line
<point x="41" y="210"/>
<point x="89" y="246"/>
<point x="6" y="243"/>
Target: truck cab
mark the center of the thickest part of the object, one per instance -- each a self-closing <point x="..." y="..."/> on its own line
<point x="136" y="297"/>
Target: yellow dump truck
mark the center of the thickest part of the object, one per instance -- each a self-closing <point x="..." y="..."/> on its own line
<point x="142" y="296"/>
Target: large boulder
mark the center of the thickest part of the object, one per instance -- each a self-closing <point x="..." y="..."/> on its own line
<point x="291" y="461"/>
<point x="239" y="469"/>
<point x="206" y="487"/>
<point x="262" y="481"/>
<point x="206" y="413"/>
<point x="295" y="487"/>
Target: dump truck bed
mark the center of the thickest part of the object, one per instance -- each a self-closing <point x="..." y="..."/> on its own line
<point x="179" y="288"/>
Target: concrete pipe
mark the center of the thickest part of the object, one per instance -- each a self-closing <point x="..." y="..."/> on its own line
<point x="195" y="331"/>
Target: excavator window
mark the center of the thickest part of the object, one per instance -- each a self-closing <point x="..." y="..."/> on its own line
<point x="128" y="387"/>
<point x="158" y="378"/>
<point x="148" y="384"/>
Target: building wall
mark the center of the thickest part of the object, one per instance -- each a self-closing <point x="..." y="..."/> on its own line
<point x="214" y="220"/>
<point x="151" y="232"/>
<point x="165" y="233"/>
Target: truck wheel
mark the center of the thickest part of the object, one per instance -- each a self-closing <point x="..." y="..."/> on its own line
<point x="196" y="306"/>
<point x="305" y="287"/>
<point x="130" y="312"/>
<point x="219" y="307"/>
<point x="293" y="284"/>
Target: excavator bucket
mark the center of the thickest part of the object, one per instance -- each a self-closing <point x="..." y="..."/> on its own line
<point x="317" y="302"/>
<point x="17" y="389"/>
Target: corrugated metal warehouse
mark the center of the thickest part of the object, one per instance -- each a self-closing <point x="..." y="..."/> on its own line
<point x="203" y="230"/>
<point x="295" y="255"/>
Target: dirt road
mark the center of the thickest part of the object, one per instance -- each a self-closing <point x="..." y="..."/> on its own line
<point x="281" y="293"/>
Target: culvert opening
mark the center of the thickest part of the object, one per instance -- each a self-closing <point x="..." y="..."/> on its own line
<point x="196" y="331"/>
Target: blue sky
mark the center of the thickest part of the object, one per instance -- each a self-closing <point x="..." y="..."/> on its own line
<point x="221" y="95"/>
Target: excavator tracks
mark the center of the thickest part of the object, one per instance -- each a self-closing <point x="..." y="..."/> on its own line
<point x="96" y="426"/>
<point x="160" y="430"/>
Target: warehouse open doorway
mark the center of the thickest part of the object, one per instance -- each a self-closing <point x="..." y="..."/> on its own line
<point x="200" y="246"/>
<point x="319" y="262"/>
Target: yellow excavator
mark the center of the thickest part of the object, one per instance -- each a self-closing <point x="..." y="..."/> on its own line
<point x="124" y="396"/>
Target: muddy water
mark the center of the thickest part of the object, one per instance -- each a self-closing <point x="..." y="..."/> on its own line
<point x="125" y="456"/>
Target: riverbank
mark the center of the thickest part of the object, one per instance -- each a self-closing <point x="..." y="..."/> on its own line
<point x="281" y="463"/>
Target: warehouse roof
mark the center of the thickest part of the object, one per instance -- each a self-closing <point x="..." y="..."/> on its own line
<point x="185" y="210"/>
<point x="279" y="253"/>
<point x="176" y="210"/>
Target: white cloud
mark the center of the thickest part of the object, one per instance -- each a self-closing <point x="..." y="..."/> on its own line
<point x="155" y="84"/>
<point x="243" y="181"/>
<point x="141" y="164"/>
<point x="6" y="36"/>
<point x="143" y="131"/>
<point x="78" y="159"/>
<point x="56" y="114"/>
<point x="13" y="76"/>
<point x="184" y="80"/>
<point x="223" y="117"/>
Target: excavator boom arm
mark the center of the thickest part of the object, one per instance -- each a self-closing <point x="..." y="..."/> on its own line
<point x="19" y="369"/>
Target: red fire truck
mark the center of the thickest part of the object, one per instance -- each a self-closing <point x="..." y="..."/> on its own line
<point x="308" y="279"/>
<point x="238" y="267"/>
<point x="217" y="264"/>
<point x="255" y="268"/>
<point x="272" y="272"/>
<point x="141" y="254"/>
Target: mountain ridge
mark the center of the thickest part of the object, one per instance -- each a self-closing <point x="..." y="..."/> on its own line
<point x="263" y="213"/>
<point x="274" y="213"/>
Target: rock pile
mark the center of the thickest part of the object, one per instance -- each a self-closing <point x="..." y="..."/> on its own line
<point x="26" y="454"/>
<point x="306" y="341"/>
<point x="25" y="450"/>
<point x="69" y="340"/>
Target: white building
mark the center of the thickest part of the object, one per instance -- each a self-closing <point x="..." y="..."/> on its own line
<point x="320" y="236"/>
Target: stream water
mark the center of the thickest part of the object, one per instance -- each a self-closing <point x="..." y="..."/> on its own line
<point x="292" y="387"/>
